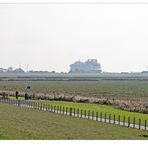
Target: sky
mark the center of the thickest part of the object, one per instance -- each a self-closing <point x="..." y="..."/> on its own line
<point x="51" y="37"/>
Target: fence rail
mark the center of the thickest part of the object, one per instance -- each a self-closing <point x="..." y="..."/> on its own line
<point x="76" y="112"/>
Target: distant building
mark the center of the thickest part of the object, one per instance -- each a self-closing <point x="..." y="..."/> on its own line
<point x="18" y="70"/>
<point x="90" y="66"/>
<point x="10" y="69"/>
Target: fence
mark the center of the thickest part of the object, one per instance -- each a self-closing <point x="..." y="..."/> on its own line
<point x="76" y="112"/>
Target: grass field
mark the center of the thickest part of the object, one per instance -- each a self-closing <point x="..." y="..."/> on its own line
<point x="23" y="123"/>
<point x="127" y="89"/>
<point x="130" y="95"/>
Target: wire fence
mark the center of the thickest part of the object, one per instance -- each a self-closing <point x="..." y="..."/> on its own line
<point x="80" y="113"/>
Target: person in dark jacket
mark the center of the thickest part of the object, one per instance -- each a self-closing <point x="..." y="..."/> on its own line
<point x="16" y="94"/>
<point x="26" y="96"/>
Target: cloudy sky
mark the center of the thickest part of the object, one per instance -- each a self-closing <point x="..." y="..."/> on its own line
<point x="52" y="36"/>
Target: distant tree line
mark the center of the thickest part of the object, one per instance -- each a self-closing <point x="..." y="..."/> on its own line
<point x="11" y="69"/>
<point x="20" y="70"/>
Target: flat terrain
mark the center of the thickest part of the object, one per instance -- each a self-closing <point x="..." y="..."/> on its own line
<point x="117" y="89"/>
<point x="130" y="95"/>
<point x="23" y="123"/>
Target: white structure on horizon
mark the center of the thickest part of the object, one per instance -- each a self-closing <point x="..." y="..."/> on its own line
<point x="90" y="66"/>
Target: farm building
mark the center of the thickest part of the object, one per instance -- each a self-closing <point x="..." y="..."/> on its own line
<point x="90" y="66"/>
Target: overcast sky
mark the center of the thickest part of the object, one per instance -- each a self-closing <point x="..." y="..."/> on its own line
<point x="51" y="37"/>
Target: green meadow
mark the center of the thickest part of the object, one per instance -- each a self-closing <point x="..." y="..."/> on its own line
<point x="22" y="123"/>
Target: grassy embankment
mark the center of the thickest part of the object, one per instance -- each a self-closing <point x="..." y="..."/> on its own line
<point x="98" y="108"/>
<point x="23" y="123"/>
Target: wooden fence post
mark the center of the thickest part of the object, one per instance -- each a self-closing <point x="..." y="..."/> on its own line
<point x="88" y="114"/>
<point x="114" y="118"/>
<point x="77" y="112"/>
<point x="51" y="108"/>
<point x="96" y="116"/>
<point x="145" y="125"/>
<point x="81" y="113"/>
<point x="34" y="105"/>
<point x="70" y="111"/>
<point x="119" y="119"/>
<point x="46" y="107"/>
<point x="66" y="110"/>
<point x="92" y="115"/>
<point x="63" y="110"/>
<point x="54" y="108"/>
<point x="105" y="117"/>
<point x="139" y="123"/>
<point x="85" y="113"/>
<point x="41" y="106"/>
<point x="101" y="116"/>
<point x="123" y="120"/>
<point x="128" y="121"/>
<point x="74" y="111"/>
<point x="60" y="109"/>
<point x="109" y="118"/>
<point x="134" y="122"/>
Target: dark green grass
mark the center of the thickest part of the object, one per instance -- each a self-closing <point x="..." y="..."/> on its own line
<point x="22" y="123"/>
<point x="127" y="89"/>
